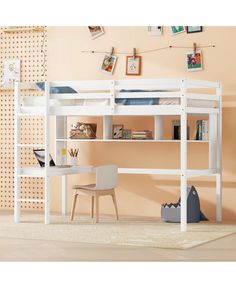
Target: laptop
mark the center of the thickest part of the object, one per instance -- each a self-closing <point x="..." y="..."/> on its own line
<point x="40" y="156"/>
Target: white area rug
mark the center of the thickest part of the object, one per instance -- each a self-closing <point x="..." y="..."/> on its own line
<point x="126" y="231"/>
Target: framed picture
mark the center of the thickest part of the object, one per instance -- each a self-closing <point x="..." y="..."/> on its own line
<point x="194" y="29"/>
<point x="194" y="62"/>
<point x="177" y="29"/>
<point x="118" y="131"/>
<point x="11" y="71"/>
<point x="108" y="64"/>
<point x="154" y="30"/>
<point x="95" y="31"/>
<point x="133" y="65"/>
<point x="127" y="134"/>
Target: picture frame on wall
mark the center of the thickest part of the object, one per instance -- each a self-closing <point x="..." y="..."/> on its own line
<point x="193" y="29"/>
<point x="177" y="29"/>
<point x="95" y="31"/>
<point x="108" y="64"/>
<point x="154" y="30"/>
<point x="133" y="65"/>
<point x="117" y="131"/>
<point x="194" y="61"/>
<point x="11" y="71"/>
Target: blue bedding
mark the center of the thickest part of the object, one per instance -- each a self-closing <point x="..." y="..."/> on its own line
<point x="137" y="101"/>
<point x="56" y="90"/>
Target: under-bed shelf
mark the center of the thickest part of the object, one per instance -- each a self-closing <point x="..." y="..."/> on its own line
<point x="130" y="140"/>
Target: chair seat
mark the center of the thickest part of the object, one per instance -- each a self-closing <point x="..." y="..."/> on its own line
<point x="85" y="187"/>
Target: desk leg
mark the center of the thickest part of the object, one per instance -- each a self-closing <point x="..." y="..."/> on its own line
<point x="47" y="200"/>
<point x="63" y="195"/>
<point x="218" y="198"/>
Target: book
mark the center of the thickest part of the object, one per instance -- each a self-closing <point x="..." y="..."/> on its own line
<point x="202" y="130"/>
<point x="205" y="130"/>
<point x="146" y="134"/>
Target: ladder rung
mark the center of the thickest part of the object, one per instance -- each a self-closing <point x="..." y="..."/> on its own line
<point x="31" y="200"/>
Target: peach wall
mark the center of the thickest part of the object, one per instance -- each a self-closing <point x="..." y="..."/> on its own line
<point x="143" y="194"/>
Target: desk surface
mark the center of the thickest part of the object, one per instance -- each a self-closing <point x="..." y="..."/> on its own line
<point x="36" y="171"/>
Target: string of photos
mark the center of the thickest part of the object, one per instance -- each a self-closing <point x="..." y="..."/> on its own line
<point x="194" y="59"/>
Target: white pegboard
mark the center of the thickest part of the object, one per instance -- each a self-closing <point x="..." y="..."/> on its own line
<point x="26" y="46"/>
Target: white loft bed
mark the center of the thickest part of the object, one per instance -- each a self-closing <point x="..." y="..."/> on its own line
<point x="154" y="97"/>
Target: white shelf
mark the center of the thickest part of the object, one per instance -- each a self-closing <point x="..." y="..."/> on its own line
<point x="37" y="171"/>
<point x="55" y="171"/>
<point x="22" y="29"/>
<point x="177" y="172"/>
<point x="127" y="140"/>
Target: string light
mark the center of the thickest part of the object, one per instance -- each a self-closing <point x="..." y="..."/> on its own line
<point x="148" y="51"/>
<point x="43" y="52"/>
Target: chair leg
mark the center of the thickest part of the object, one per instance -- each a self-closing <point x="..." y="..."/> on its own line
<point x="73" y="207"/>
<point x="115" y="204"/>
<point x="97" y="208"/>
<point x="92" y="207"/>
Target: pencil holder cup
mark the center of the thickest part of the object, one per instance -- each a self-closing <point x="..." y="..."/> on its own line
<point x="73" y="161"/>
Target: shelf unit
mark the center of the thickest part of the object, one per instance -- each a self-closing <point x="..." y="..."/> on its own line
<point x="94" y="90"/>
<point x="23" y="29"/>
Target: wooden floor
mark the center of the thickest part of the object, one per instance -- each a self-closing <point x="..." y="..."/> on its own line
<point x="223" y="249"/>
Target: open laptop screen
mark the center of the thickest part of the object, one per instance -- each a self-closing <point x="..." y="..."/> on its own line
<point x="40" y="156"/>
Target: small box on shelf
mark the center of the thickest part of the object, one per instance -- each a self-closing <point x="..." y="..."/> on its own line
<point x="176" y="130"/>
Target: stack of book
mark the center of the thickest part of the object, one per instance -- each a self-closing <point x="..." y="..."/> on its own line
<point x="142" y="135"/>
<point x="202" y="131"/>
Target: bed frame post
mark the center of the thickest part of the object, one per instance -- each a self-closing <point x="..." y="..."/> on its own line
<point x="17" y="152"/>
<point x="183" y="161"/>
<point x="46" y="168"/>
<point x="219" y="157"/>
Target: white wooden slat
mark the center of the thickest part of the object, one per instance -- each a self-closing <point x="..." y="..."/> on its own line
<point x="148" y="94"/>
<point x="69" y="96"/>
<point x="148" y="110"/>
<point x="80" y="110"/>
<point x="191" y="83"/>
<point x="197" y="110"/>
<point x="167" y="82"/>
<point x="83" y="85"/>
<point x="199" y="96"/>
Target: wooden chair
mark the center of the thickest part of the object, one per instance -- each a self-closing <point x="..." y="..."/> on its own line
<point x="106" y="181"/>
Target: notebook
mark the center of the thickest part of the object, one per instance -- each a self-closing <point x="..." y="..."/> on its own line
<point x="40" y="156"/>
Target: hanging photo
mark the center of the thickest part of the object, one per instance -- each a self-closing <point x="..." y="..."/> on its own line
<point x="133" y="65"/>
<point x="95" y="31"/>
<point x="154" y="30"/>
<point x="194" y="62"/>
<point x="11" y="71"/>
<point x="194" y="29"/>
<point x="108" y="64"/>
<point x="177" y="29"/>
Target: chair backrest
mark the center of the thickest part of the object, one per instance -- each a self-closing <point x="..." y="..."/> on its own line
<point x="106" y="177"/>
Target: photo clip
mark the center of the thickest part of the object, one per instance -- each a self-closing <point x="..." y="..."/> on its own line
<point x="112" y="52"/>
<point x="134" y="53"/>
<point x="194" y="48"/>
